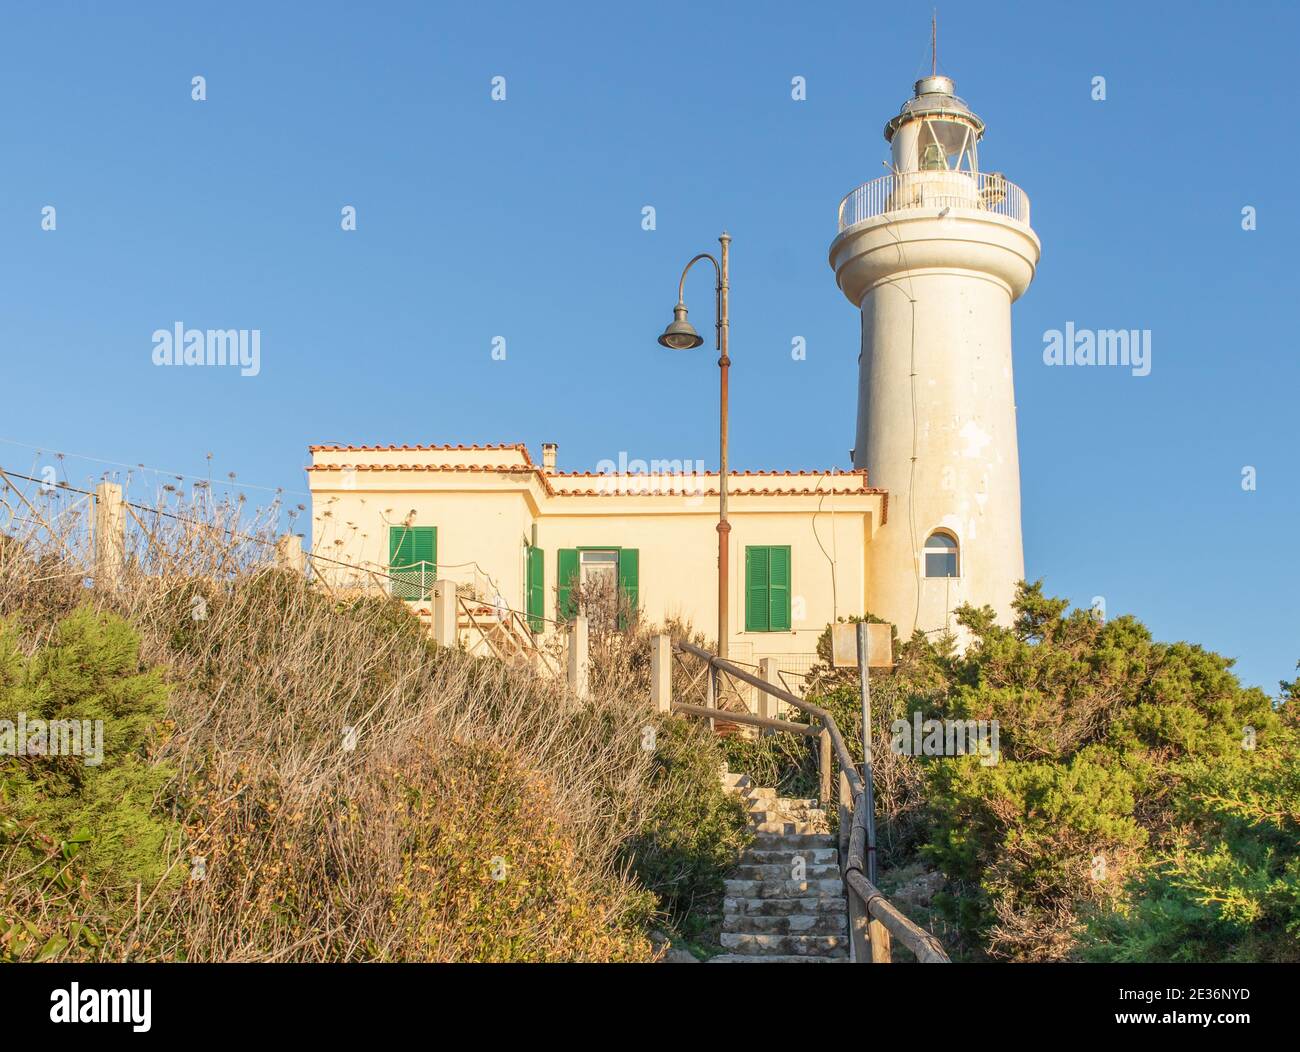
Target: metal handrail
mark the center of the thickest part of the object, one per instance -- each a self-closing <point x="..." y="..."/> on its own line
<point x="881" y="914"/>
<point x="989" y="192"/>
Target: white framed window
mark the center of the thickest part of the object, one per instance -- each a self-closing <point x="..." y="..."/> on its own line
<point x="598" y="568"/>
<point x="942" y="555"/>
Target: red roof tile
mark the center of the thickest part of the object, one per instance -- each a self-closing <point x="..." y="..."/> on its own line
<point x="743" y="491"/>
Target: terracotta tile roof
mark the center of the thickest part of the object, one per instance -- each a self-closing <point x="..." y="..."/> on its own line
<point x="732" y="491"/>
<point x="858" y="477"/>
<point x="831" y="473"/>
<point x="520" y="469"/>
<point x="420" y="449"/>
<point x="840" y="482"/>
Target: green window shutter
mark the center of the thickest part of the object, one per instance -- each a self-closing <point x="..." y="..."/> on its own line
<point x="778" y="588"/>
<point x="757" y="605"/>
<point x="767" y="588"/>
<point x="535" y="600"/>
<point x="629" y="579"/>
<point x="399" y="546"/>
<point x="401" y="553"/>
<point x="425" y="548"/>
<point x="566" y="572"/>
<point x="412" y="560"/>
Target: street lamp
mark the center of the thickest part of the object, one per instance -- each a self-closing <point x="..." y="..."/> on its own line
<point x="681" y="336"/>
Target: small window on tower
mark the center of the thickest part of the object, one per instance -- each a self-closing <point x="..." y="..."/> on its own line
<point x="941" y="555"/>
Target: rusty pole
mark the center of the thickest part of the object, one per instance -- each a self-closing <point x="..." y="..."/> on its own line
<point x="724" y="527"/>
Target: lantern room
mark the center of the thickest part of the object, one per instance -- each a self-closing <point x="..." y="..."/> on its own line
<point x="935" y="131"/>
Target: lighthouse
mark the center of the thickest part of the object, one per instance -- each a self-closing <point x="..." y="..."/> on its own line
<point x="933" y="254"/>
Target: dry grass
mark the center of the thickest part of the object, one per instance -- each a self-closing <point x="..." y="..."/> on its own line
<point x="353" y="791"/>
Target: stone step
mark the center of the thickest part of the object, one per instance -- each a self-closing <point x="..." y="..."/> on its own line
<point x="762" y="855"/>
<point x="784" y="907"/>
<point x="785" y="803"/>
<point x="776" y="958"/>
<point x="782" y="889"/>
<point x="783" y="827"/>
<point x="738" y="782"/>
<point x="793" y="924"/>
<point x="783" y="871"/>
<point x="792" y="841"/>
<point x="767" y="916"/>
<point x="816" y="820"/>
<point x="766" y="814"/>
<point x="787" y="945"/>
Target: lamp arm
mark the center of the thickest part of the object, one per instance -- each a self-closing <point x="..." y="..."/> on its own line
<point x="717" y="302"/>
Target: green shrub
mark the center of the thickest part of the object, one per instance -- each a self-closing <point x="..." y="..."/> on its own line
<point x="1102" y="732"/>
<point x="787" y="762"/>
<point x="694" y="832"/>
<point x="86" y="834"/>
<point x="1226" y="884"/>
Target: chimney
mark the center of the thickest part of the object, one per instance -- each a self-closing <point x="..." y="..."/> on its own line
<point x="549" y="449"/>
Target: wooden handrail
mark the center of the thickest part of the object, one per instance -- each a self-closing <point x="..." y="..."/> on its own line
<point x="746" y="717"/>
<point x="513" y="627"/>
<point x="827" y="720"/>
<point x="926" y="947"/>
<point x="883" y="916"/>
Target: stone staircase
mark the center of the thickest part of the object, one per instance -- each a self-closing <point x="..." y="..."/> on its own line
<point x="769" y="915"/>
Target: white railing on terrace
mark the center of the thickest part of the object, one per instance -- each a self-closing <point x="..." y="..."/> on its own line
<point x="978" y="191"/>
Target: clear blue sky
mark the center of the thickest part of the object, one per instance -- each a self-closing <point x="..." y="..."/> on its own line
<point x="522" y="219"/>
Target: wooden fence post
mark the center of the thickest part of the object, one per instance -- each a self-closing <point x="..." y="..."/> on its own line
<point x="768" y="706"/>
<point x="578" y="680"/>
<point x="860" y="948"/>
<point x="846" y="819"/>
<point x="824" y="767"/>
<point x="661" y="673"/>
<point x="110" y="536"/>
<point x="444" y="613"/>
<point x="878" y="934"/>
<point x="289" y="554"/>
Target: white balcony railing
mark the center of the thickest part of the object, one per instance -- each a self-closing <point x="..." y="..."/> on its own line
<point x="977" y="191"/>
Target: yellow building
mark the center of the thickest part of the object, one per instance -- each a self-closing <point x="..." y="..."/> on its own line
<point x="517" y="534"/>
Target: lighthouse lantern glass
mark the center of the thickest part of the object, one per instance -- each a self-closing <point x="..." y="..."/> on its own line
<point x="946" y="145"/>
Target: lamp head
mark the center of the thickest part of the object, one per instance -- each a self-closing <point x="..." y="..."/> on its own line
<point x="680" y="334"/>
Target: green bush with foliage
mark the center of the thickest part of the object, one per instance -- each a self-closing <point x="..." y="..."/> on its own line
<point x="1143" y="806"/>
<point x="1225" y="885"/>
<point x="1106" y="738"/>
<point x="695" y="831"/>
<point x="90" y="832"/>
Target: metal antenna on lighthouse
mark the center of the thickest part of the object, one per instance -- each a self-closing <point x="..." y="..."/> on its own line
<point x="934" y="41"/>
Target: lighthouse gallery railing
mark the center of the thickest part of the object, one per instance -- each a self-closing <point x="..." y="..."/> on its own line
<point x="975" y="191"/>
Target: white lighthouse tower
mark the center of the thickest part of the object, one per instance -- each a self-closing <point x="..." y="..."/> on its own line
<point x="934" y="254"/>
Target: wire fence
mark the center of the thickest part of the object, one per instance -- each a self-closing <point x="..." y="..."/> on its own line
<point x="226" y="536"/>
<point x="222" y="537"/>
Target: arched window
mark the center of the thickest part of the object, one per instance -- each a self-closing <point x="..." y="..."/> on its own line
<point x="941" y="555"/>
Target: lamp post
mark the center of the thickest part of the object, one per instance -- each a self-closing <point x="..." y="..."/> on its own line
<point x="681" y="336"/>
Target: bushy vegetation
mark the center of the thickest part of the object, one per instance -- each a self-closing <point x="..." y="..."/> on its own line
<point x="694" y="832"/>
<point x="1225" y="883"/>
<point x="80" y="830"/>
<point x="292" y="773"/>
<point x="1143" y="805"/>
